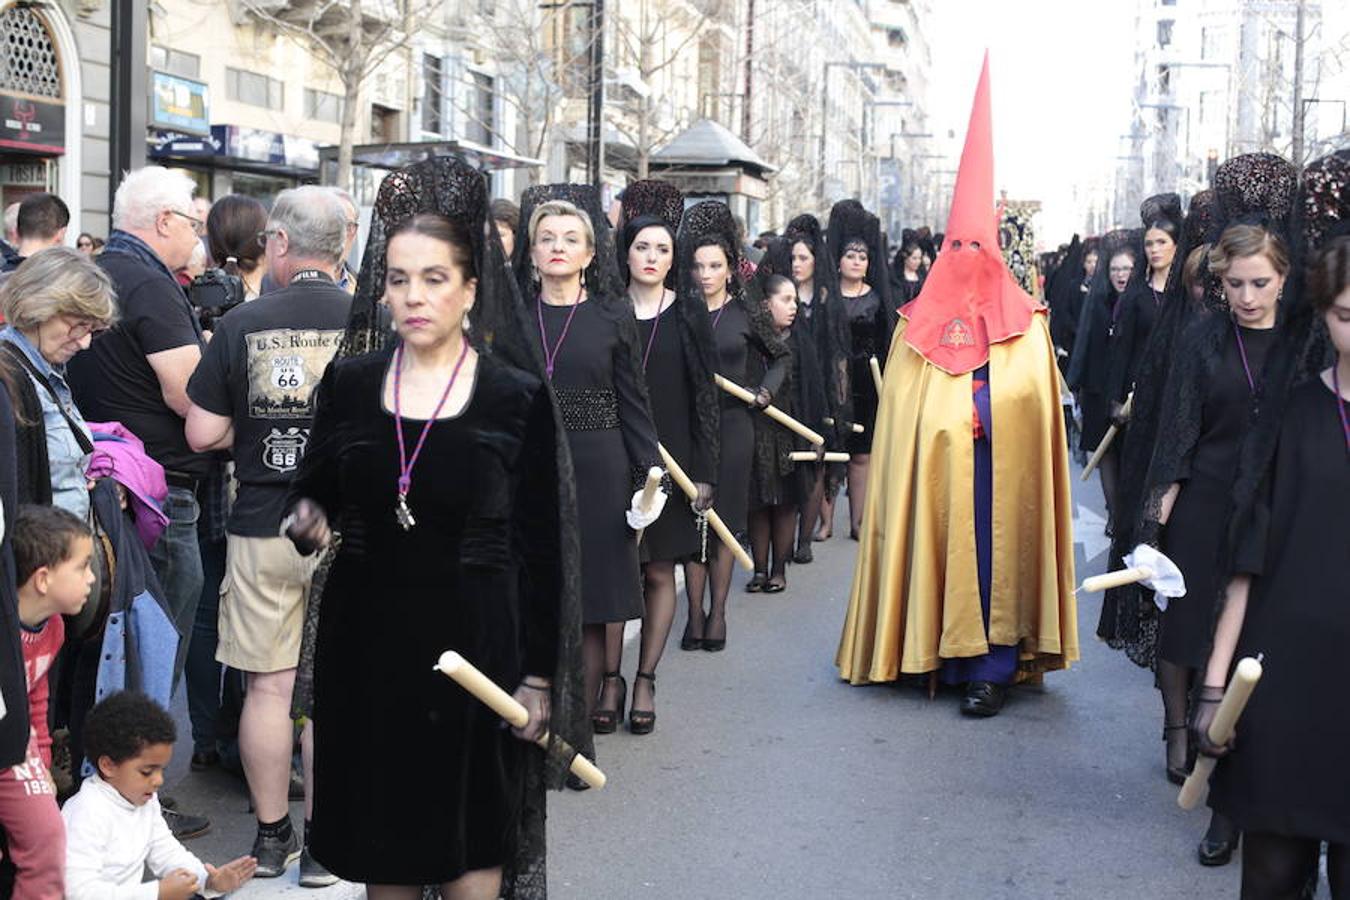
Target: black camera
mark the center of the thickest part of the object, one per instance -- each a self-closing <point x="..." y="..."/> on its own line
<point x="214" y="293"/>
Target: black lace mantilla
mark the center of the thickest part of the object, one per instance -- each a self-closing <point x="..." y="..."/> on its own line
<point x="450" y="188"/>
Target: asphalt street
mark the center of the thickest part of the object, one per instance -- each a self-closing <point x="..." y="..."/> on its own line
<point x="768" y="777"/>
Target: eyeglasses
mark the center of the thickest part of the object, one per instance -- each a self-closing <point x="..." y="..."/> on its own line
<point x="198" y="226"/>
<point x="265" y="234"/>
<point x="79" y="329"/>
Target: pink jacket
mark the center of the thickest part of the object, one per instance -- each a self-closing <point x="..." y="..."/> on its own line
<point x="120" y="454"/>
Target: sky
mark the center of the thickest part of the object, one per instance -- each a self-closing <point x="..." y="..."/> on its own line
<point x="1060" y="82"/>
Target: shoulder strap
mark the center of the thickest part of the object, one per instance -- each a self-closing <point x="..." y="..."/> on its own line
<point x="22" y="359"/>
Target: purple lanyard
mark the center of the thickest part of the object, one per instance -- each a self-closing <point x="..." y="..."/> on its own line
<point x="721" y="309"/>
<point x="405" y="465"/>
<point x="1340" y="403"/>
<point x="651" y="339"/>
<point x="1242" y="351"/>
<point x="551" y="358"/>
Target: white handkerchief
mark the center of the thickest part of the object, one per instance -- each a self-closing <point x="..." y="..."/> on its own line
<point x="1166" y="581"/>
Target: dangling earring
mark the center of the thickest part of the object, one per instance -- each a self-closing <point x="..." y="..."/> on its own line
<point x="464" y="324"/>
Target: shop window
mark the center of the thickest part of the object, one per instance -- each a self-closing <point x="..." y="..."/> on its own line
<point x="323" y="106"/>
<point x="256" y="90"/>
<point x="383" y="124"/>
<point x="29" y="63"/>
<point x="175" y="62"/>
<point x="1165" y="32"/>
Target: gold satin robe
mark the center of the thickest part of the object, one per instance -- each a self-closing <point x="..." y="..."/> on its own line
<point x="915" y="598"/>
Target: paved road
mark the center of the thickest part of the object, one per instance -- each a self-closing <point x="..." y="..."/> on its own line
<point x="769" y="778"/>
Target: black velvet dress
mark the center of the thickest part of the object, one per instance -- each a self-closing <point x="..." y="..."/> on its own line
<point x="478" y="573"/>
<point x="675" y="535"/>
<point x="736" y="340"/>
<point x="613" y="440"/>
<point x="870" y="327"/>
<point x="1194" y="535"/>
<point x="1287" y="773"/>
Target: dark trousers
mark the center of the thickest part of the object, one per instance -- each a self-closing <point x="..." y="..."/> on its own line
<point x="178" y="565"/>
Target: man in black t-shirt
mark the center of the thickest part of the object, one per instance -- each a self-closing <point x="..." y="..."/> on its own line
<point x="252" y="394"/>
<point x="137" y="372"/>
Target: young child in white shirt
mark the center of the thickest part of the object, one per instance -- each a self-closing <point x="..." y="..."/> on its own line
<point x="114" y="827"/>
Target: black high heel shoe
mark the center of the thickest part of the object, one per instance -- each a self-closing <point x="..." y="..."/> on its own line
<point x="714" y="645"/>
<point x="607" y="721"/>
<point x="642" y="721"/>
<point x="1176" y="774"/>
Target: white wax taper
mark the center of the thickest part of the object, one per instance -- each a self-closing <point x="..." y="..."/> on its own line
<point x="808" y="456"/>
<point x="650" y="488"/>
<point x="852" y="426"/>
<point x="1245" y="677"/>
<point x="1106" y="441"/>
<point x="1108" y="580"/>
<point x="686" y="484"/>
<point x="876" y="373"/>
<point x="466" y="675"/>
<point x="771" y="411"/>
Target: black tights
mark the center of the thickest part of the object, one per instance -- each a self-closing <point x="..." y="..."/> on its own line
<point x="658" y="595"/>
<point x="713" y="578"/>
<point x="1174" y="683"/>
<point x="1109" y="470"/>
<point x="776" y="526"/>
<point x="1275" y="867"/>
<point x="806" y="528"/>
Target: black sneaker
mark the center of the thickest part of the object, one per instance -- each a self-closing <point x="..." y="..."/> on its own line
<point x="204" y="759"/>
<point x="185" y="826"/>
<point x="274" y="855"/>
<point x="312" y="873"/>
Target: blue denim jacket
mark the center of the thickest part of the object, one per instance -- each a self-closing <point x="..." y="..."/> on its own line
<point x="68" y="462"/>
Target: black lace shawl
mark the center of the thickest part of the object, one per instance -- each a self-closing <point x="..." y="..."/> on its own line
<point x="849" y="221"/>
<point x="653" y="202"/>
<point x="1087" y="362"/>
<point x="1064" y="296"/>
<point x="605" y="285"/>
<point x="828" y="324"/>
<point x="500" y="326"/>
<point x="712" y="220"/>
<point x="1255" y="189"/>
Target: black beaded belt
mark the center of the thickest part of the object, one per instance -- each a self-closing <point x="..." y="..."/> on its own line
<point x="588" y="409"/>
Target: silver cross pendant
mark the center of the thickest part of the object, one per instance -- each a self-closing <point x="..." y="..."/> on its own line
<point x="403" y="513"/>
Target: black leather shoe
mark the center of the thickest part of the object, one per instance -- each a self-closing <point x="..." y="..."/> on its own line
<point x="312" y="872"/>
<point x="984" y="699"/>
<point x="204" y="759"/>
<point x="1215" y="853"/>
<point x="185" y="826"/>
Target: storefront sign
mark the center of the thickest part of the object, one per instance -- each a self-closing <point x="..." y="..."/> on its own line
<point x="228" y="144"/>
<point x="32" y="126"/>
<point x="179" y="104"/>
<point x="267" y="147"/>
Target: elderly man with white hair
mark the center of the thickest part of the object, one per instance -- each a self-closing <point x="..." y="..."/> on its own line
<point x="252" y="395"/>
<point x="137" y="371"/>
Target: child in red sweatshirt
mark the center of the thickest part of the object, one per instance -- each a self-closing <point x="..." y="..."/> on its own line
<point x="53" y="555"/>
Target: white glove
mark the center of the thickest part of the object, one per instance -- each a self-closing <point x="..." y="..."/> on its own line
<point x="1166" y="581"/>
<point x="638" y="518"/>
